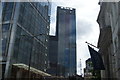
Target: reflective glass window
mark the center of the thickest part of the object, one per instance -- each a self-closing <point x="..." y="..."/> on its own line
<point x="7" y="11"/>
<point x="5" y="31"/>
<point x="5" y="27"/>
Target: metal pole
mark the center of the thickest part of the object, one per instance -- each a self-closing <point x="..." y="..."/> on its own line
<point x="31" y="54"/>
<point x="80" y="67"/>
<point x="91" y="45"/>
<point x="29" y="64"/>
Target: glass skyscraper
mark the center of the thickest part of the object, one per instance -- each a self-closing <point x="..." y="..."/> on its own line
<point x="53" y="55"/>
<point x="66" y="33"/>
<point x="25" y="30"/>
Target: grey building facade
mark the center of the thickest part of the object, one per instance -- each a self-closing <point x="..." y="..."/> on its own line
<point x="66" y="33"/>
<point x="25" y="30"/>
<point x="109" y="39"/>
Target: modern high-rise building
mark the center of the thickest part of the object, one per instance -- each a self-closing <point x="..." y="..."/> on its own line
<point x="53" y="55"/>
<point x="25" y="30"/>
<point x="66" y="33"/>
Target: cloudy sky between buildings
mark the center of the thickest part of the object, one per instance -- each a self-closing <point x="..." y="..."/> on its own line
<point x="86" y="25"/>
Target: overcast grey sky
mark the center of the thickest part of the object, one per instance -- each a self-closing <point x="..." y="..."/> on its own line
<point x="86" y="25"/>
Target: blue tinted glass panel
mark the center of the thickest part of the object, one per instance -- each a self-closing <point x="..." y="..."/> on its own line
<point x="5" y="31"/>
<point x="7" y="11"/>
<point x="5" y="27"/>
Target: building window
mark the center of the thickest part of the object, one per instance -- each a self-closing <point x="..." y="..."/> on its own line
<point x="5" y="31"/>
<point x="5" y="27"/>
<point x="7" y="11"/>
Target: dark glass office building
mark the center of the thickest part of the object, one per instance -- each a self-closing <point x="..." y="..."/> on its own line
<point x="25" y="30"/>
<point x="53" y="55"/>
<point x="66" y="33"/>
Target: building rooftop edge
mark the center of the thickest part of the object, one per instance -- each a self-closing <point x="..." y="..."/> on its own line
<point x="68" y="8"/>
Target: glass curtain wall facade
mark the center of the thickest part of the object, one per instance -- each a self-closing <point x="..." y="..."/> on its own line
<point x="6" y="17"/>
<point x="25" y="30"/>
<point x="53" y="53"/>
<point x="66" y="33"/>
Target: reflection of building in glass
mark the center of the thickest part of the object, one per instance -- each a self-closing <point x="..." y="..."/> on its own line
<point x="66" y="33"/>
<point x="26" y="19"/>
